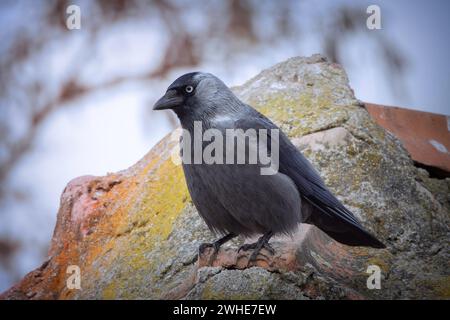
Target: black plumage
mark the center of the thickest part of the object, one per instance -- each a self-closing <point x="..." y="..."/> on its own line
<point x="236" y="199"/>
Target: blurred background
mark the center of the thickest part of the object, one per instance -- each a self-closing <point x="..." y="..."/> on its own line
<point x="78" y="102"/>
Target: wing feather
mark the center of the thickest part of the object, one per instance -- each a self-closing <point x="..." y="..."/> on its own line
<point x="295" y="165"/>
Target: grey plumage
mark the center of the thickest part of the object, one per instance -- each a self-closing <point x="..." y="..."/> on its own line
<point x="236" y="199"/>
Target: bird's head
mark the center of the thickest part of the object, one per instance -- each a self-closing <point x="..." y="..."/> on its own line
<point x="197" y="95"/>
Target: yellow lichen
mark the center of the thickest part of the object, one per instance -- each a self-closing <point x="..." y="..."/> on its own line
<point x="302" y="114"/>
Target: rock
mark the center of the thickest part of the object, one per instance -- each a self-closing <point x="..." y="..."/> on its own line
<point x="322" y="140"/>
<point x="135" y="234"/>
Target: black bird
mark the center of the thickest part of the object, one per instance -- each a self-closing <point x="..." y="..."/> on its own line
<point x="235" y="199"/>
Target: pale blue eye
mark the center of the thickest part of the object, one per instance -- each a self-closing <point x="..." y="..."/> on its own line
<point x="189" y="89"/>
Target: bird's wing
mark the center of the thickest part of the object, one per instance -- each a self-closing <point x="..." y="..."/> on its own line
<point x="309" y="183"/>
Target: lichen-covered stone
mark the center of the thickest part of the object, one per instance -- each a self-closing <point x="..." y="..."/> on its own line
<point x="135" y="234"/>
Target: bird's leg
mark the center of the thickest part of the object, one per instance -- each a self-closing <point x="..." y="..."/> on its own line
<point x="262" y="242"/>
<point x="216" y="245"/>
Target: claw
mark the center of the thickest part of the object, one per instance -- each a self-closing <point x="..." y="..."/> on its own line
<point x="262" y="242"/>
<point x="204" y="246"/>
<point x="269" y="248"/>
<point x="215" y="245"/>
<point x="254" y="255"/>
<point x="247" y="246"/>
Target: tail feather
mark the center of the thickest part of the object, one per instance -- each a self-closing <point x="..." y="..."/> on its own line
<point x="354" y="237"/>
<point x="351" y="234"/>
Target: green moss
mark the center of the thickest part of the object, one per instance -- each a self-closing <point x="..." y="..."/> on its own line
<point x="441" y="286"/>
<point x="109" y="293"/>
<point x="302" y="114"/>
<point x="380" y="262"/>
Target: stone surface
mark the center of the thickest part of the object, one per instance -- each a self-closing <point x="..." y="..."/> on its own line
<point x="135" y="234"/>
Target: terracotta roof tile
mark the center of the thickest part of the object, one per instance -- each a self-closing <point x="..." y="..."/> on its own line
<point x="425" y="135"/>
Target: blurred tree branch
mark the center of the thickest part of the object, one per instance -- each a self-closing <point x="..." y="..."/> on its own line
<point x="236" y="23"/>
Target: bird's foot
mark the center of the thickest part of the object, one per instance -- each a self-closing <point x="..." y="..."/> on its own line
<point x="253" y="246"/>
<point x="262" y="242"/>
<point x="215" y="245"/>
<point x="204" y="246"/>
<point x="213" y="256"/>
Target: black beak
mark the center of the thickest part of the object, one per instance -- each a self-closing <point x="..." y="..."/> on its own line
<point x="169" y="101"/>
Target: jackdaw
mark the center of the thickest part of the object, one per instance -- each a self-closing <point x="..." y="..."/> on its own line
<point x="236" y="199"/>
